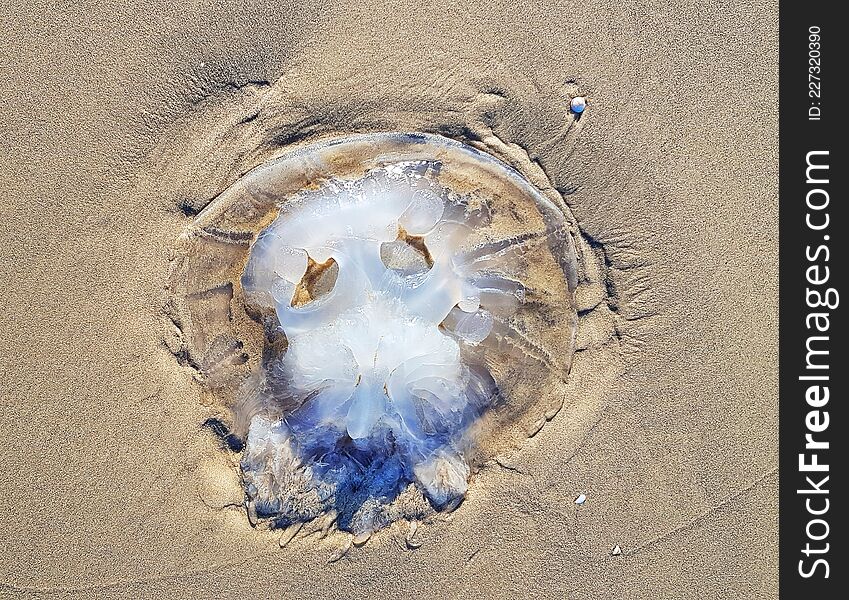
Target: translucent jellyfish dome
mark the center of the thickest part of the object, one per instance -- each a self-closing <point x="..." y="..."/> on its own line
<point x="416" y="302"/>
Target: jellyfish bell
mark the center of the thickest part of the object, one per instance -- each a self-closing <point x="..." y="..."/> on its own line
<point x="402" y="303"/>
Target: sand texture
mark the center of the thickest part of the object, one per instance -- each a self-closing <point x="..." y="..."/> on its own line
<point x="119" y="123"/>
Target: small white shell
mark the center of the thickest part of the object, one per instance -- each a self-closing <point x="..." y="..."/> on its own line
<point x="578" y="104"/>
<point x="580" y="499"/>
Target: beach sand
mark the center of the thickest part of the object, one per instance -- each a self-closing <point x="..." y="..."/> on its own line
<point x="119" y="122"/>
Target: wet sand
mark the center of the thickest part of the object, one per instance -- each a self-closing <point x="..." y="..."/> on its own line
<point x="118" y="122"/>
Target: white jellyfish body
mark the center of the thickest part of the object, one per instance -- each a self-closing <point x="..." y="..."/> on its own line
<point x="407" y="294"/>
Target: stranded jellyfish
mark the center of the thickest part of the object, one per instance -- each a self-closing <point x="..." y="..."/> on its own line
<point x="375" y="317"/>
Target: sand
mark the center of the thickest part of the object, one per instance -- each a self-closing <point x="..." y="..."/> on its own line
<point x="114" y="118"/>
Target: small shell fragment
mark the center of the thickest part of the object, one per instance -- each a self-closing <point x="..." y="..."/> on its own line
<point x="617" y="551"/>
<point x="580" y="499"/>
<point x="578" y="104"/>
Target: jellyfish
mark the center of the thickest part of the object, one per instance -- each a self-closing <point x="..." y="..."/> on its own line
<point x="378" y="313"/>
